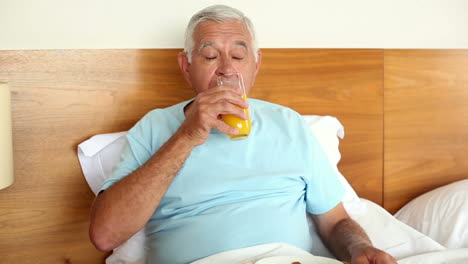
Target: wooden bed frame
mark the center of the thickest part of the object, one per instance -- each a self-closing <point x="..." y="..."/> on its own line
<point x="405" y="115"/>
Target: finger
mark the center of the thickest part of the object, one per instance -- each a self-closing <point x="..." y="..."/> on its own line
<point x="229" y="97"/>
<point x="360" y="260"/>
<point x="225" y="128"/>
<point x="385" y="259"/>
<point x="228" y="108"/>
<point x="239" y="102"/>
<point x="223" y="96"/>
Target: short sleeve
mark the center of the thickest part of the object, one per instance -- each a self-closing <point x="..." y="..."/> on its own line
<point x="135" y="153"/>
<point x="323" y="188"/>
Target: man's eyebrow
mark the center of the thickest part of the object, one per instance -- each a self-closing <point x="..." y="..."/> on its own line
<point x="205" y="44"/>
<point x="241" y="43"/>
<point x="210" y="43"/>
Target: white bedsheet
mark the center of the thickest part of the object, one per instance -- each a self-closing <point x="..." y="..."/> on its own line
<point x="391" y="235"/>
<point x="252" y="254"/>
<point x="449" y="256"/>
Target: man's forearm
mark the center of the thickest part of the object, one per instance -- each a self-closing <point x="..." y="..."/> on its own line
<point x="348" y="237"/>
<point x="126" y="206"/>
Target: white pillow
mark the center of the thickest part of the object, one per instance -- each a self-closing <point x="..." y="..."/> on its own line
<point x="99" y="154"/>
<point x="442" y="214"/>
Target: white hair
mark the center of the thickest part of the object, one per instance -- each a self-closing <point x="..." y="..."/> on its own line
<point x="218" y="13"/>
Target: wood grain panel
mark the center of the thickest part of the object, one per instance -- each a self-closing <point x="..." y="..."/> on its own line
<point x="426" y="122"/>
<point x="343" y="83"/>
<point x="62" y="97"/>
<point x="59" y="99"/>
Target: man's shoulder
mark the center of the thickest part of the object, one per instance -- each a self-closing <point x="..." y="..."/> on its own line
<point x="171" y="115"/>
<point x="272" y="108"/>
<point x="158" y="119"/>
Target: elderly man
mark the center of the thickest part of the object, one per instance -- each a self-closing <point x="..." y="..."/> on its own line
<point x="198" y="193"/>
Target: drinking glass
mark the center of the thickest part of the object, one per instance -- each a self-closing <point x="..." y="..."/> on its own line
<point x="235" y="80"/>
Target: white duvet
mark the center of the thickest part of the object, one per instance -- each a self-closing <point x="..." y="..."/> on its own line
<point x="251" y="255"/>
<point x="448" y="256"/>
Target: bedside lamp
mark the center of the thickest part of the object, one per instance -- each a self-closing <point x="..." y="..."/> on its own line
<point x="6" y="138"/>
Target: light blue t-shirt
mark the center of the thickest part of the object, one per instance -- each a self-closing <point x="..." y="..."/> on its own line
<point x="234" y="194"/>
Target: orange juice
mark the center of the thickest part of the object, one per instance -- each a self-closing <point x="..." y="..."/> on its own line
<point x="239" y="123"/>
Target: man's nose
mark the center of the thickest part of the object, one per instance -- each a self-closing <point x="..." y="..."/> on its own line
<point x="225" y="66"/>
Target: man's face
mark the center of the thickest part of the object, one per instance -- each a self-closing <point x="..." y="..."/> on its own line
<point x="220" y="48"/>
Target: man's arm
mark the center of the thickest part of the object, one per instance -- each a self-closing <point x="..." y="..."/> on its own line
<point x="124" y="208"/>
<point x="347" y="239"/>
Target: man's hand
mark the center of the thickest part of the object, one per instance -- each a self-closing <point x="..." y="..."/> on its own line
<point x="205" y="113"/>
<point x="371" y="255"/>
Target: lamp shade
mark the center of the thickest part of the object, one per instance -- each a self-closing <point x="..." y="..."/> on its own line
<point x="6" y="139"/>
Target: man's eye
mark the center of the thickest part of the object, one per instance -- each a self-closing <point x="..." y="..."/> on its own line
<point x="237" y="58"/>
<point x="210" y="58"/>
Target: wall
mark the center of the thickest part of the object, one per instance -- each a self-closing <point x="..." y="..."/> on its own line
<point x="106" y="24"/>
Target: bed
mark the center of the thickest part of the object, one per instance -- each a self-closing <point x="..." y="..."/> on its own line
<point x="404" y="113"/>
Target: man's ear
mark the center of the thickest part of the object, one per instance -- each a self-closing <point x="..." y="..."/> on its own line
<point x="258" y="63"/>
<point x="184" y="66"/>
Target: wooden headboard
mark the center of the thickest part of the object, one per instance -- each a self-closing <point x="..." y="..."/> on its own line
<point x="425" y="122"/>
<point x="404" y="112"/>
